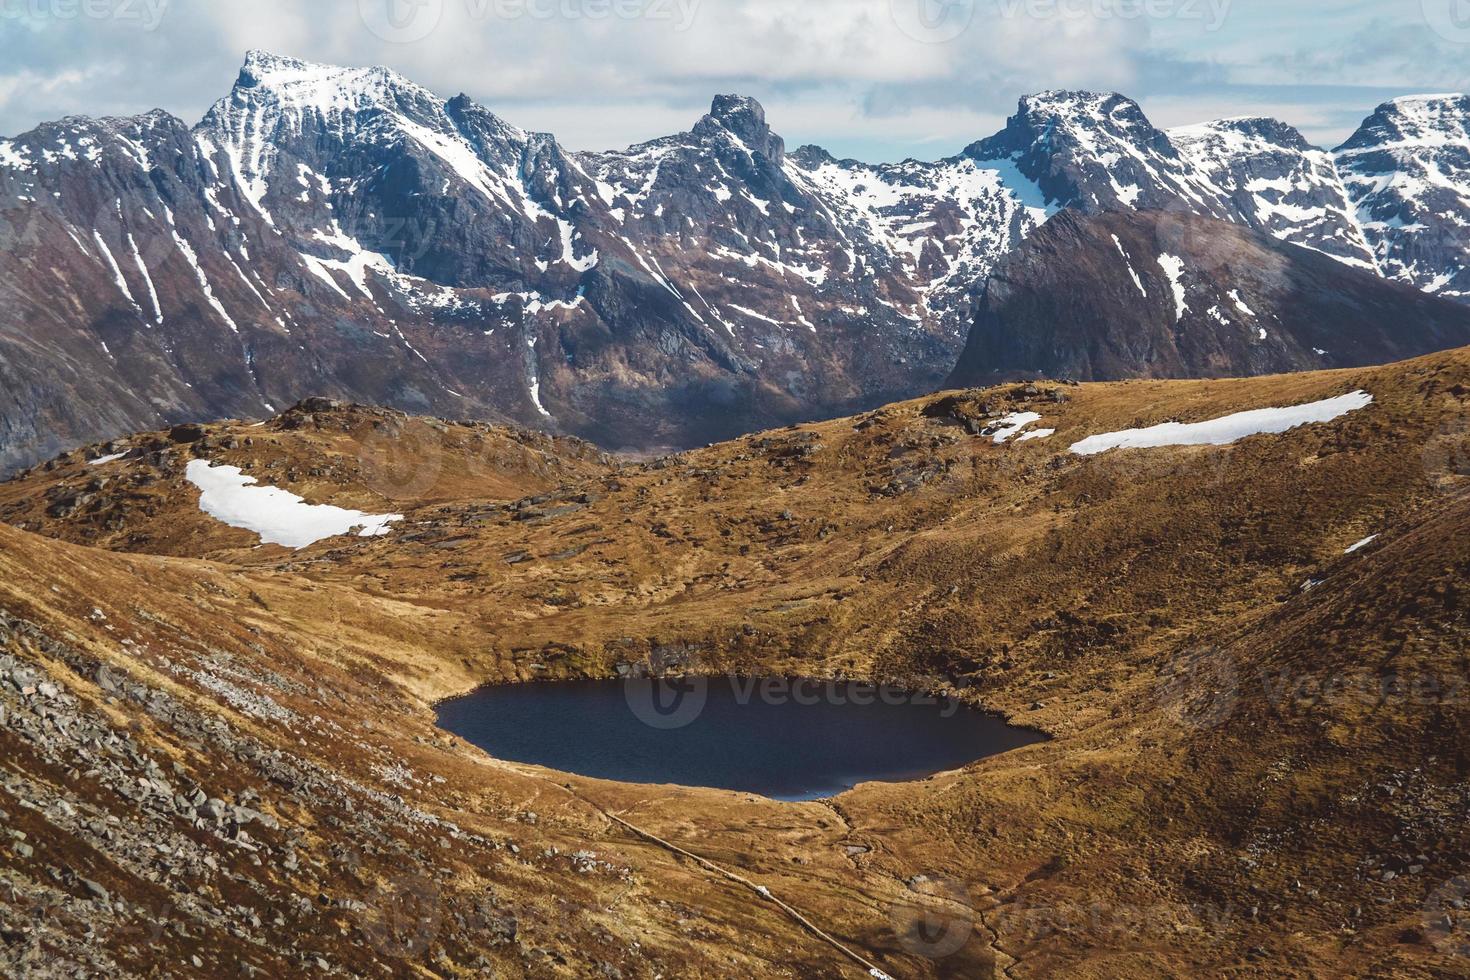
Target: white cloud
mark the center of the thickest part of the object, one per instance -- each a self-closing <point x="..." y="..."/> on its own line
<point x="838" y="72"/>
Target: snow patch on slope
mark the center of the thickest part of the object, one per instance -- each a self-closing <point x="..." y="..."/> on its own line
<point x="1226" y="430"/>
<point x="1173" y="267"/>
<point x="278" y="516"/>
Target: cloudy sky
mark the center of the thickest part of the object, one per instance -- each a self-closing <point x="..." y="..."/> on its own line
<point x="874" y="79"/>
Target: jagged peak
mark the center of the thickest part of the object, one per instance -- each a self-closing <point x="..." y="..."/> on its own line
<point x="462" y="107"/>
<point x="810" y="155"/>
<point x="295" y="86"/>
<point x="1080" y="113"/>
<point x="1258" y="129"/>
<point x="91" y="138"/>
<point x="294" y="81"/>
<point x="737" y="107"/>
<point x="1077" y="102"/>
<point x="1073" y="110"/>
<point x="260" y="60"/>
<point x="1446" y="100"/>
<point x="151" y="119"/>
<point x="1410" y="118"/>
<point x="1426" y="111"/>
<point x="744" y="118"/>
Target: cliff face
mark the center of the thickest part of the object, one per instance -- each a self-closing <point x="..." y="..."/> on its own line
<point x="344" y="232"/>
<point x="1171" y="295"/>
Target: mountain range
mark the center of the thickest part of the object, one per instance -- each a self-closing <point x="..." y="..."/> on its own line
<point x="346" y="232"/>
<point x="1166" y="294"/>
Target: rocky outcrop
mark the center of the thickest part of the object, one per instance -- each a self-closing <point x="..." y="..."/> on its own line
<point x="1098" y="152"/>
<point x="1172" y="295"/>
<point x="345" y="231"/>
<point x="1407" y="170"/>
<point x="1280" y="184"/>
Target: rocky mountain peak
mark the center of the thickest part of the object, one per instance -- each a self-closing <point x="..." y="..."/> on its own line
<point x="1045" y="112"/>
<point x="1277" y="182"/>
<point x="106" y="127"/>
<point x="1413" y="119"/>
<point x="260" y="65"/>
<point x="1076" y="103"/>
<point x="1097" y="152"/>
<point x="744" y="118"/>
<point x="811" y="156"/>
<point x="302" y="85"/>
<point x="1407" y="167"/>
<point x="511" y="277"/>
<point x="1055" y="121"/>
<point x="1257" y="130"/>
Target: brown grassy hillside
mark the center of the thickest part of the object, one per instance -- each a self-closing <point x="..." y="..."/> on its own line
<point x="1247" y="775"/>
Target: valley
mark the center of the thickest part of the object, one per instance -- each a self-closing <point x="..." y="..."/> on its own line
<point x="1245" y="655"/>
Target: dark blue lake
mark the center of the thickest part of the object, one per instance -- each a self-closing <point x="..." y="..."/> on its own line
<point x="788" y="740"/>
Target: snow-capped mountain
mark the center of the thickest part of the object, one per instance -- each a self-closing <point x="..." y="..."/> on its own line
<point x="1156" y="294"/>
<point x="1279" y="183"/>
<point x="344" y="231"/>
<point x="944" y="224"/>
<point x="1407" y="172"/>
<point x="1094" y="152"/>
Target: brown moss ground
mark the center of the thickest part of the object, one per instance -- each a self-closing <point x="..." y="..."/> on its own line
<point x="1144" y="607"/>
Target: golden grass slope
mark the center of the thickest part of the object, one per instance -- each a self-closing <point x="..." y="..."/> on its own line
<point x="1248" y="774"/>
